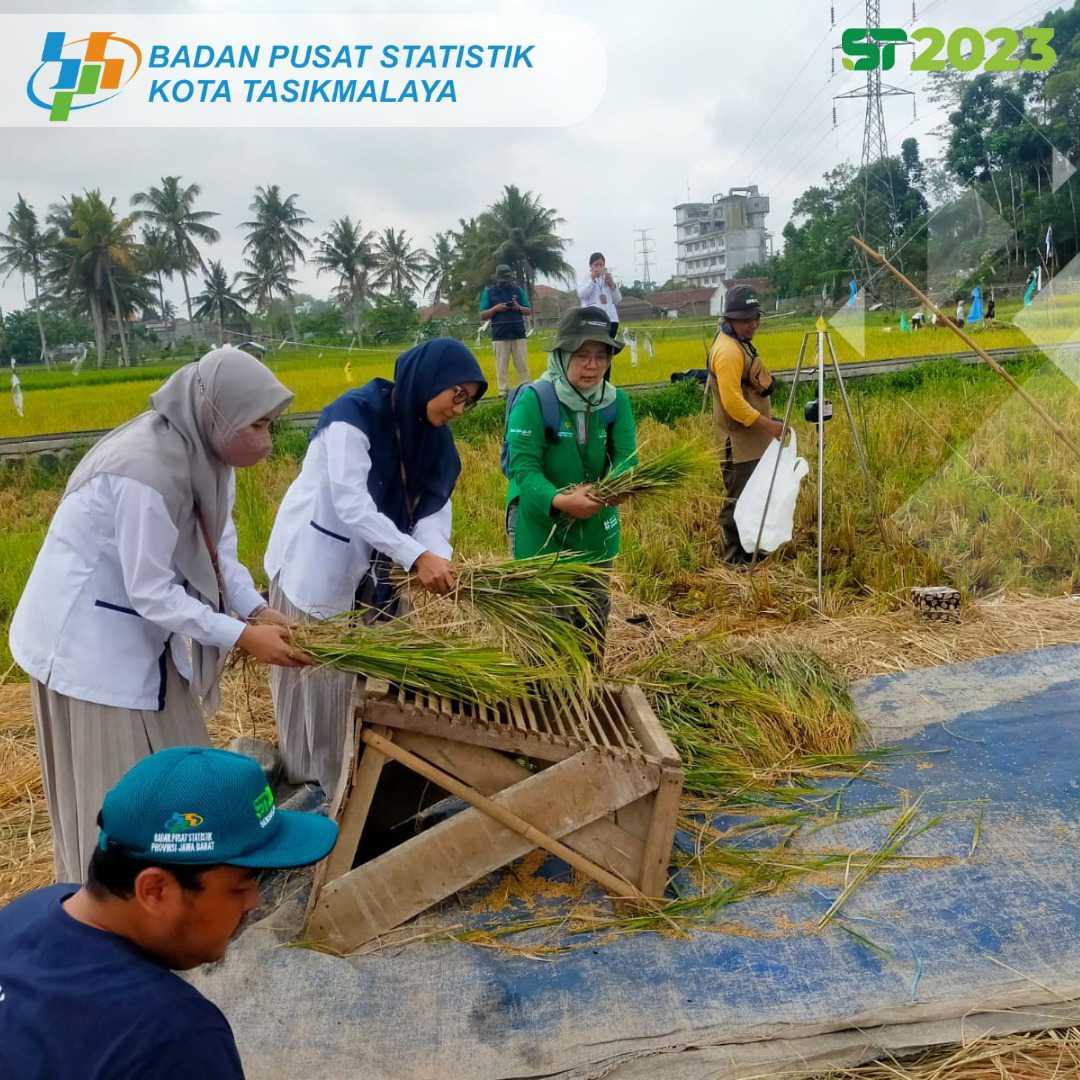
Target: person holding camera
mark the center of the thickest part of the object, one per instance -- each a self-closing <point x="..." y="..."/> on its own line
<point x="599" y="290"/>
<point x="506" y="305"/>
<point x="741" y="387"/>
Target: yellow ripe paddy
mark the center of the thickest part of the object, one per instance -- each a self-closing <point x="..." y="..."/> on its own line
<point x="319" y="374"/>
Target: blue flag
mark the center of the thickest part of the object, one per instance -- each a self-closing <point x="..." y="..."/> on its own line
<point x="976" y="312"/>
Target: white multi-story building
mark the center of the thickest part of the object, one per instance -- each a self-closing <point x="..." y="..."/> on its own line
<point x="715" y="240"/>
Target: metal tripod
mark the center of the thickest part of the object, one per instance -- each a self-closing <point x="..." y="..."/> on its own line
<point x="823" y="339"/>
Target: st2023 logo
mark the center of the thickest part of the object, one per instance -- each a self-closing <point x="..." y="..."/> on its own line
<point x="966" y="49"/>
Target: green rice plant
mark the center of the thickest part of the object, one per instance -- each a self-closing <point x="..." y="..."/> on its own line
<point x="418" y="661"/>
<point x="543" y="609"/>
<point x="664" y="473"/>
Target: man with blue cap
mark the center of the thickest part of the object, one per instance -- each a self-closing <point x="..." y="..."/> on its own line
<point x="87" y="987"/>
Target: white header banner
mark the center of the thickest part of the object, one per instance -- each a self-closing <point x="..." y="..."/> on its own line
<point x="297" y="71"/>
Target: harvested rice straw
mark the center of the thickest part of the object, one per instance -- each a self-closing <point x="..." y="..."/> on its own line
<point x="1042" y="1055"/>
<point x="902" y="831"/>
<point x="417" y="661"/>
<point x="662" y="474"/>
<point x="530" y="602"/>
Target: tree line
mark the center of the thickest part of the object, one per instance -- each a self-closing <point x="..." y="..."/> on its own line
<point x="83" y="259"/>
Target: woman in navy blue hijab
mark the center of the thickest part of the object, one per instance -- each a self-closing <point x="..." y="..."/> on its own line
<point x="374" y="491"/>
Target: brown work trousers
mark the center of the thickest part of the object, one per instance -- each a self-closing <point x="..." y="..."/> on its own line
<point x="735" y="475"/>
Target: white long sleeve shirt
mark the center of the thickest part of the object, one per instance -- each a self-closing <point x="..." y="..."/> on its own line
<point x="328" y="526"/>
<point x="593" y="292"/>
<point x="104" y="600"/>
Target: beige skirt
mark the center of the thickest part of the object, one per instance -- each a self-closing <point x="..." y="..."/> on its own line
<point x="311" y="706"/>
<point x="85" y="748"/>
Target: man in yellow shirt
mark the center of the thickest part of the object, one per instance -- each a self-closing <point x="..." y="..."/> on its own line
<point x="741" y="385"/>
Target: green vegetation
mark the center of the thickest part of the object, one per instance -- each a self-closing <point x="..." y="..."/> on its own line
<point x="972" y="493"/>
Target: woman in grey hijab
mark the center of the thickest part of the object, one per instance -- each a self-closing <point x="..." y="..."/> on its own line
<point x="137" y="595"/>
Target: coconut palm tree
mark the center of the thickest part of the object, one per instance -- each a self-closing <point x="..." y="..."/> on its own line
<point x="276" y="241"/>
<point x="157" y="257"/>
<point x="345" y="251"/>
<point x="442" y="268"/>
<point x="263" y="280"/>
<point x="400" y="266"/>
<point x="95" y="248"/>
<point x="25" y="248"/>
<point x="171" y="208"/>
<point x="219" y="300"/>
<point x="519" y="230"/>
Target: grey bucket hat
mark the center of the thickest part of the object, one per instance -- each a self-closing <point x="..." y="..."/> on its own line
<point x="585" y="324"/>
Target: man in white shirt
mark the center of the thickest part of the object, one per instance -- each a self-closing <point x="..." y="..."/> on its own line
<point x="599" y="290"/>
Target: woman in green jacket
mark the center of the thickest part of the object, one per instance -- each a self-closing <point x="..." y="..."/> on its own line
<point x="550" y="507"/>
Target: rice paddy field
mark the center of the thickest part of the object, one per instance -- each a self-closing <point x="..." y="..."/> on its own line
<point x="968" y="490"/>
<point x="60" y="400"/>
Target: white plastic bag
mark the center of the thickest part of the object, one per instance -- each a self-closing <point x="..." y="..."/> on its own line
<point x="751" y="503"/>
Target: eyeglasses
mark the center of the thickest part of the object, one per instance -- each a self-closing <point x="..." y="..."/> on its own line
<point x="463" y="397"/>
<point x="600" y="359"/>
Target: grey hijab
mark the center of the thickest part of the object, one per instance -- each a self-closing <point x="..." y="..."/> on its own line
<point x="175" y="447"/>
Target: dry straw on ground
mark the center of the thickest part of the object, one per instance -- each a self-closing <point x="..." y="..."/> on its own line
<point x="856" y="646"/>
<point x="1042" y="1055"/>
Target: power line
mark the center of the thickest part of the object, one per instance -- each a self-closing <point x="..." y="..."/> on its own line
<point x="790" y="86"/>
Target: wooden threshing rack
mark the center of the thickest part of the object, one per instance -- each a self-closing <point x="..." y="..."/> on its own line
<point x="595" y="781"/>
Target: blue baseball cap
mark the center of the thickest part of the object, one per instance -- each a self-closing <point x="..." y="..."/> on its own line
<point x="198" y="806"/>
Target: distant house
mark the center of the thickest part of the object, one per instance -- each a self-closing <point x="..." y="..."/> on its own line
<point x="434" y="311"/>
<point x="683" y="303"/>
<point x="634" y="309"/>
<point x="549" y="304"/>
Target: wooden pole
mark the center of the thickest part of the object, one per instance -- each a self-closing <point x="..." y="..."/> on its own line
<point x="614" y="884"/>
<point x="1050" y="422"/>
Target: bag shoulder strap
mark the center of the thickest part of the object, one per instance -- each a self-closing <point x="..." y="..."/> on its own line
<point x="549" y="405"/>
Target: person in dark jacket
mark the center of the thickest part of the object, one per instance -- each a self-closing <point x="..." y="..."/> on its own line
<point x="506" y="305"/>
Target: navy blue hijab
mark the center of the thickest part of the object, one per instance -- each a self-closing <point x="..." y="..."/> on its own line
<point x="393" y="414"/>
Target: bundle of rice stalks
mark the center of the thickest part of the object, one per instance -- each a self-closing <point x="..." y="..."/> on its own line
<point x="417" y="661"/>
<point x="543" y="609"/>
<point x="751" y="718"/>
<point x="664" y="473"/>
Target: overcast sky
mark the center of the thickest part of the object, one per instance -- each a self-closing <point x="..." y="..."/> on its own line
<point x="701" y="96"/>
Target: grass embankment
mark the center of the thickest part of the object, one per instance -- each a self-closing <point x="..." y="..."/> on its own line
<point x="59" y="400"/>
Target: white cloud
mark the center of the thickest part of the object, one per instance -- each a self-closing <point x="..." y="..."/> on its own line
<point x="695" y="97"/>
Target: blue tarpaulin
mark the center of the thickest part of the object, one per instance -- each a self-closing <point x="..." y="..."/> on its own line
<point x="978" y="932"/>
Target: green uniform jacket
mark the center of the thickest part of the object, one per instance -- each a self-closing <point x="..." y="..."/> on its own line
<point x="541" y="467"/>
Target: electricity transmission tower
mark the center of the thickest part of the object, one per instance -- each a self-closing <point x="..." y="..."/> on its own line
<point x="875" y="144"/>
<point x="644" y="246"/>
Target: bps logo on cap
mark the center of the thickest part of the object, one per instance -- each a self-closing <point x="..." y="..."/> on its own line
<point x="96" y="67"/>
<point x="182" y="822"/>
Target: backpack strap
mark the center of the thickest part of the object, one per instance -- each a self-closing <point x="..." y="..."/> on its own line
<point x="607" y="418"/>
<point x="549" y="406"/>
